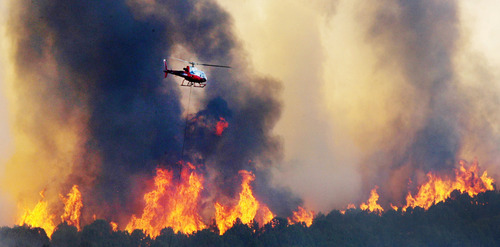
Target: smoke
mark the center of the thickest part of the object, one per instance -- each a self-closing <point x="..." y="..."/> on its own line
<point x="5" y="139"/>
<point x="285" y="42"/>
<point x="375" y="94"/>
<point x="423" y="40"/>
<point x="479" y="81"/>
<point x="91" y="106"/>
<point x="347" y="95"/>
<point x="420" y="38"/>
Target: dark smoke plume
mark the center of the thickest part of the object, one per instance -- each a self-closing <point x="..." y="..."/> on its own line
<point x="108" y="55"/>
<point x="421" y="37"/>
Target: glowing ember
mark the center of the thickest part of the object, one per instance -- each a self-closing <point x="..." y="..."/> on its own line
<point x="114" y="226"/>
<point x="72" y="207"/>
<point x="436" y="189"/>
<point x="171" y="205"/>
<point x="372" y="205"/>
<point x="301" y="215"/>
<point x="349" y="206"/>
<point x="39" y="216"/>
<point x="246" y="209"/>
<point x="222" y="124"/>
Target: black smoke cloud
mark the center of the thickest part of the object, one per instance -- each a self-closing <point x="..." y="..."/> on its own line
<point x="108" y="54"/>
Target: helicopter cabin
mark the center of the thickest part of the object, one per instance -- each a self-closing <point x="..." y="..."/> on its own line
<point x="194" y="71"/>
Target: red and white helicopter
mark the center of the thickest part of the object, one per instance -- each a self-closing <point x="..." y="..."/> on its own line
<point x="192" y="76"/>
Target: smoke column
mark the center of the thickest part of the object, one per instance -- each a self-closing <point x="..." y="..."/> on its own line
<point x="90" y="105"/>
<point x="393" y="90"/>
<point x="421" y="39"/>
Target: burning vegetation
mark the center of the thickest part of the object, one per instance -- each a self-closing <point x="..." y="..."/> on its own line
<point x="301" y="216"/>
<point x="177" y="203"/>
<point x="371" y="205"/>
<point x="39" y="216"/>
<point x="171" y="205"/>
<point x="221" y="125"/>
<point x="464" y="220"/>
<point x="246" y="210"/>
<point x="437" y="189"/>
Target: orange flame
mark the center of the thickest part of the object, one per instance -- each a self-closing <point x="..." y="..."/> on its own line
<point x="222" y="124"/>
<point x="72" y="207"/>
<point x="372" y="205"/>
<point x="39" y="216"/>
<point x="436" y="189"/>
<point x="246" y="209"/>
<point x="170" y="205"/>
<point x="301" y="215"/>
<point x="264" y="215"/>
<point x="349" y="206"/>
<point x="114" y="226"/>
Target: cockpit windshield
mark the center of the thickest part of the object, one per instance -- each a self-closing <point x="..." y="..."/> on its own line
<point x="202" y="75"/>
<point x="199" y="73"/>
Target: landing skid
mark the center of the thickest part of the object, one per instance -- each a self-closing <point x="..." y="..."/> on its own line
<point x="192" y="84"/>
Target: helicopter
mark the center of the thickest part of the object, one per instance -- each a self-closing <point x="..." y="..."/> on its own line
<point x="193" y="77"/>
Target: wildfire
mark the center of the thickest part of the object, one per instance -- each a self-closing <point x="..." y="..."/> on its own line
<point x="221" y="125"/>
<point x="246" y="209"/>
<point x="114" y="226"/>
<point x="39" y="216"/>
<point x="349" y="206"/>
<point x="177" y="203"/>
<point x="301" y="215"/>
<point x="171" y="205"/>
<point x="372" y="205"/>
<point x="72" y="207"/>
<point x="436" y="189"/>
<point x="211" y="124"/>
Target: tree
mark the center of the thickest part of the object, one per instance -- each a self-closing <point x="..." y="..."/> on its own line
<point x="23" y="236"/>
<point x="99" y="233"/>
<point x="65" y="235"/>
<point x="239" y="235"/>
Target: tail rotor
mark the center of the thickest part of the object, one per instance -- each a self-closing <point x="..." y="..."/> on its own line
<point x="166" y="69"/>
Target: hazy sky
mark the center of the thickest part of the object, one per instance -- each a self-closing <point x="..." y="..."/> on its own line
<point x="5" y="138"/>
<point x="4" y="124"/>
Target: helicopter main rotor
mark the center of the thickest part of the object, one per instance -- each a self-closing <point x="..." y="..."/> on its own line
<point x="202" y="64"/>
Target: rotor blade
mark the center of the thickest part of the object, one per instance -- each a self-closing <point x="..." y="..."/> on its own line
<point x="180" y="60"/>
<point x="214" y="65"/>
